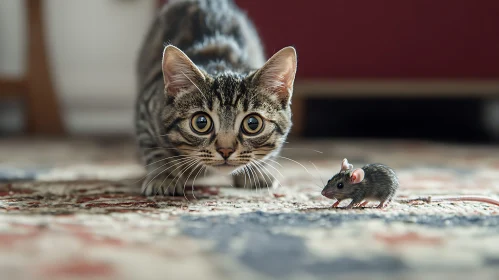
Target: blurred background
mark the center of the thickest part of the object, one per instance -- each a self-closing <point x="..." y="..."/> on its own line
<point x="417" y="69"/>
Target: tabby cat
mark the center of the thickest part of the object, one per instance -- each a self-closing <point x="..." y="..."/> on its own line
<point x="209" y="101"/>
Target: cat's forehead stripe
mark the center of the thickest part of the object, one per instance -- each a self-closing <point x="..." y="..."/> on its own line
<point x="228" y="89"/>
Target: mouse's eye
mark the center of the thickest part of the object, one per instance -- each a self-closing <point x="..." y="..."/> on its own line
<point x="340" y="185"/>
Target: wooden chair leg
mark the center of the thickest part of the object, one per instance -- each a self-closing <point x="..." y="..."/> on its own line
<point x="43" y="116"/>
<point x="12" y="87"/>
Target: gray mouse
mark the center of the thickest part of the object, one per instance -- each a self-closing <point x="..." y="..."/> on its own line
<point x="372" y="182"/>
<point x="377" y="182"/>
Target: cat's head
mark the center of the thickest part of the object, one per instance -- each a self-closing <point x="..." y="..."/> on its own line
<point x="230" y="119"/>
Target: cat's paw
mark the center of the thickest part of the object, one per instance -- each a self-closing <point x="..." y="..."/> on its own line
<point x="162" y="186"/>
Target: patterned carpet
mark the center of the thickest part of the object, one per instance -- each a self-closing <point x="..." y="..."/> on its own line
<point x="72" y="210"/>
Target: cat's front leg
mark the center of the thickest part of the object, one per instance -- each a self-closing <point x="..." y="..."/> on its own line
<point x="158" y="184"/>
<point x="254" y="179"/>
<point x="169" y="180"/>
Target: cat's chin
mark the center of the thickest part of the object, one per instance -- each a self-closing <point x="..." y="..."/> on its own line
<point x="227" y="168"/>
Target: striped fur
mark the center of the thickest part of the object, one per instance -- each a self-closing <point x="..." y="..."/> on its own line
<point x="213" y="63"/>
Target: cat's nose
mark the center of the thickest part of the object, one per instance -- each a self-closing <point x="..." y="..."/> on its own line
<point x="225" y="152"/>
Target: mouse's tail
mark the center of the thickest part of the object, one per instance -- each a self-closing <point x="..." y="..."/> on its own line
<point x="429" y="199"/>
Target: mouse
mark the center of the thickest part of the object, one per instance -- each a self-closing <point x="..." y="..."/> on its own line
<point x="378" y="182"/>
<point x="372" y="182"/>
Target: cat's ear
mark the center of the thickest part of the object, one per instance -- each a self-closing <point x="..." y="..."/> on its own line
<point x="179" y="72"/>
<point x="278" y="74"/>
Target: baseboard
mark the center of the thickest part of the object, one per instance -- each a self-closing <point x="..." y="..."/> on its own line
<point x="396" y="88"/>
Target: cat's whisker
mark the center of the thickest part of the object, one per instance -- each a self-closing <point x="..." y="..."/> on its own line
<point x="194" y="181"/>
<point x="322" y="181"/>
<point x="182" y="161"/>
<point x="184" y="169"/>
<point x="145" y="176"/>
<point x="268" y="173"/>
<point x="263" y="161"/>
<point x="260" y="184"/>
<point x="241" y="171"/>
<point x="276" y="162"/>
<point x="251" y="174"/>
<point x="188" y="176"/>
<point x="292" y="160"/>
<point x="257" y="168"/>
<point x="187" y="179"/>
<point x="244" y="172"/>
<point x="187" y="168"/>
<point x="172" y="179"/>
<point x="152" y="171"/>
<point x="168" y="176"/>
<point x="317" y="151"/>
<point x="255" y="176"/>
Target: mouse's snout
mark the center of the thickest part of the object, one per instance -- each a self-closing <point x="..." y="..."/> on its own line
<point x="327" y="193"/>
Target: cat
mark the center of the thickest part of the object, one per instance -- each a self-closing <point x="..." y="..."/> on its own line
<point x="208" y="99"/>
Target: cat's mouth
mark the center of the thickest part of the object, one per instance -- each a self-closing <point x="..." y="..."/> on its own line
<point x="226" y="164"/>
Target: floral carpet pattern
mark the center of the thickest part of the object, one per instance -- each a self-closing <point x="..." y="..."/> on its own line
<point x="72" y="210"/>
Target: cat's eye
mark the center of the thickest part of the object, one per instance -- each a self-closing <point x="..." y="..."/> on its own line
<point x="340" y="185"/>
<point x="201" y="123"/>
<point x="252" y="124"/>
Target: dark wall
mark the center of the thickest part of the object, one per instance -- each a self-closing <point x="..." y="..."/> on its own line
<point x="383" y="39"/>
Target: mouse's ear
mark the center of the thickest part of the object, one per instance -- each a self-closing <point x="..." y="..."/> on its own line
<point x="357" y="176"/>
<point x="345" y="165"/>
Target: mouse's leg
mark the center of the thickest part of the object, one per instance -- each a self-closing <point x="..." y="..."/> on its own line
<point x="383" y="204"/>
<point x="336" y="203"/>
<point x="357" y="198"/>
<point x="355" y="202"/>
<point x="351" y="205"/>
